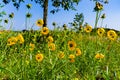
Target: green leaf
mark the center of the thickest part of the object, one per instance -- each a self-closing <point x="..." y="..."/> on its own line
<point x="3" y="13"/>
<point x="1" y="6"/>
<point x="0" y="20"/>
<point x="1" y="68"/>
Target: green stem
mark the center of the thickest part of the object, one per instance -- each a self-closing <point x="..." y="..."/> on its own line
<point x="101" y="23"/>
<point x="98" y="14"/>
<point x="11" y="25"/>
<point x="26" y="23"/>
<point x="96" y="20"/>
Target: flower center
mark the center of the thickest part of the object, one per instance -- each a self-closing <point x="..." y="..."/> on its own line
<point x="71" y="45"/>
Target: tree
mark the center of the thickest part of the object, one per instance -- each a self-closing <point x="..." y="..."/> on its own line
<point x="2" y="13"/>
<point x="65" y="4"/>
<point x="78" y="21"/>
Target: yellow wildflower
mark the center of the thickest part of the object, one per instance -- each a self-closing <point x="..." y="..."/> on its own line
<point x="12" y="41"/>
<point x="39" y="57"/>
<point x="72" y="60"/>
<point x="39" y="22"/>
<point x="51" y="46"/>
<point x="71" y="45"/>
<point x="99" y="56"/>
<point x="98" y="6"/>
<point x="103" y="16"/>
<point x="11" y="15"/>
<point x="61" y="55"/>
<point x="32" y="46"/>
<point x="50" y="39"/>
<point x="71" y="56"/>
<point x="112" y="35"/>
<point x="88" y="28"/>
<point x="20" y="38"/>
<point x="78" y="52"/>
<point x="45" y="31"/>
<point x="28" y="6"/>
<point x="28" y="15"/>
<point x="100" y="32"/>
<point x="6" y="21"/>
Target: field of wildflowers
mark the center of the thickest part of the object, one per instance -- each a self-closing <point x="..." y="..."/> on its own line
<point x="59" y="54"/>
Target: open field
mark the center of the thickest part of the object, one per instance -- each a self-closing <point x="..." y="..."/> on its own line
<point x="59" y="55"/>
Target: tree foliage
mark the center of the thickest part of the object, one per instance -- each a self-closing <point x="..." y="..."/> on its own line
<point x="78" y="21"/>
<point x="57" y="4"/>
<point x="103" y="1"/>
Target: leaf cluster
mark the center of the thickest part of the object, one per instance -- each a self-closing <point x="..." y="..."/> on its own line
<point x="65" y="4"/>
<point x="103" y="1"/>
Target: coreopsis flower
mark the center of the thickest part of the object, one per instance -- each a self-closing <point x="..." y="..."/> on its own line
<point x="29" y="6"/>
<point x="39" y="57"/>
<point x="11" y="41"/>
<point x="78" y="52"/>
<point x="39" y="22"/>
<point x="72" y="58"/>
<point x="11" y="15"/>
<point x="71" y="45"/>
<point x="28" y="15"/>
<point x="54" y="24"/>
<point x="32" y="46"/>
<point x="45" y="31"/>
<point x="51" y="46"/>
<point x="99" y="56"/>
<point x="98" y="6"/>
<point x="88" y="28"/>
<point x="106" y="1"/>
<point x="103" y="16"/>
<point x="61" y="55"/>
<point x="100" y="31"/>
<point x="20" y="38"/>
<point x="50" y="39"/>
<point x="111" y="34"/>
<point x="65" y="26"/>
<point x="6" y="21"/>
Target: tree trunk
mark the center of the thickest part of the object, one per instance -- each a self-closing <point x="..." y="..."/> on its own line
<point x="45" y="13"/>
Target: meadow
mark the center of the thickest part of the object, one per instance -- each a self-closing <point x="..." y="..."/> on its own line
<point x="64" y="53"/>
<point x="60" y="54"/>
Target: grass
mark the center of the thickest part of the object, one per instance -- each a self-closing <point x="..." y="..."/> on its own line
<point x="18" y="62"/>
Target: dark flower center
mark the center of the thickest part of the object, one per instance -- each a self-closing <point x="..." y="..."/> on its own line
<point x="88" y="29"/>
<point x="38" y="22"/>
<point x="111" y="34"/>
<point x="38" y="57"/>
<point x="71" y="45"/>
<point x="44" y="30"/>
<point x="100" y="32"/>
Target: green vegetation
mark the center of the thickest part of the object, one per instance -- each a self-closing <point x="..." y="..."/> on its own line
<point x="66" y="54"/>
<point x="78" y="53"/>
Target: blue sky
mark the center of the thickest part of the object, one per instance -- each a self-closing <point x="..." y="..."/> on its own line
<point x="64" y="17"/>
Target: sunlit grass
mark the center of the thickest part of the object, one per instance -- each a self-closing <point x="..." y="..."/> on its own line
<point x="63" y="53"/>
<point x="38" y="58"/>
